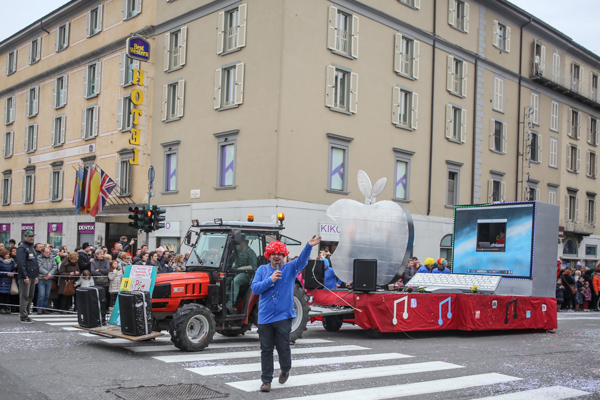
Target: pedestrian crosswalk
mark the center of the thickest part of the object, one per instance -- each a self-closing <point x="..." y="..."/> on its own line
<point x="236" y="362"/>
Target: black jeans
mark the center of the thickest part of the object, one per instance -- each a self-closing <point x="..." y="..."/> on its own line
<point x="276" y="334"/>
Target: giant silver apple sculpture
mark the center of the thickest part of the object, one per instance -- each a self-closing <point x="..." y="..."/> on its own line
<point x="374" y="230"/>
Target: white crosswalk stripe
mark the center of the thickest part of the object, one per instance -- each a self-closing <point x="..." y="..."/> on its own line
<point x="348" y="375"/>
<point x="414" y="389"/>
<point x="63" y="319"/>
<point x="155" y="348"/>
<point x="549" y="393"/>
<point x="306" y="362"/>
<point x="252" y="354"/>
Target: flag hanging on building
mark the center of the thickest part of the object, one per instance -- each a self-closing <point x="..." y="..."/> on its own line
<point x="83" y="190"/>
<point x="107" y="185"/>
<point x="77" y="192"/>
<point x="93" y="190"/>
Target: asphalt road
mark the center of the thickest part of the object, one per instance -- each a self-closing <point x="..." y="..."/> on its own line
<point x="51" y="360"/>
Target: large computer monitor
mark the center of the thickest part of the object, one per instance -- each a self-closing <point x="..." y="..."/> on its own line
<point x="494" y="240"/>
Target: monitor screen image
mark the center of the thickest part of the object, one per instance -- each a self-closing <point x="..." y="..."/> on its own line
<point x="494" y="239"/>
<point x="491" y="235"/>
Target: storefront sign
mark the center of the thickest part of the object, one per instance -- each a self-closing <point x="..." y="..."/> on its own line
<point x="28" y="227"/>
<point x="55" y="227"/>
<point x="4" y="228"/>
<point x="138" y="48"/>
<point x="171" y="229"/>
<point x="58" y="155"/>
<point x="329" y="232"/>
<point x="86" y="227"/>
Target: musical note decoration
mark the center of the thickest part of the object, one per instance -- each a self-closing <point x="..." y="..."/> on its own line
<point x="449" y="315"/>
<point x="405" y="314"/>
<point x="515" y="312"/>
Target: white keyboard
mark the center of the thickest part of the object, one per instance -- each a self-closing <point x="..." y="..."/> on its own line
<point x="461" y="282"/>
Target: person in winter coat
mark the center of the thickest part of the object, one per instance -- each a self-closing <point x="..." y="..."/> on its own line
<point x="48" y="268"/>
<point x="428" y="267"/>
<point x="178" y="263"/>
<point x="587" y="296"/>
<point x="28" y="269"/>
<point x="85" y="280"/>
<point x="69" y="267"/>
<point x="568" y="280"/>
<point x="559" y="294"/>
<point x="84" y="256"/>
<point x="124" y="260"/>
<point x="8" y="269"/>
<point x="115" y="276"/>
<point x="596" y="289"/>
<point x="99" y="268"/>
<point x="142" y="259"/>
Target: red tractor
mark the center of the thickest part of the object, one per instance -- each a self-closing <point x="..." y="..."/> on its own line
<point x="214" y="294"/>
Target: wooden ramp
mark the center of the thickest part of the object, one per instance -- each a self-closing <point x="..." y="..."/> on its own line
<point x="114" y="331"/>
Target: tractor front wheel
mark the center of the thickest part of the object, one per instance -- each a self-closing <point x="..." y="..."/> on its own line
<point x="192" y="328"/>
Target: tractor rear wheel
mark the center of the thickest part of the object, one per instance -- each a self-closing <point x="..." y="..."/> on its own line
<point x="192" y="328"/>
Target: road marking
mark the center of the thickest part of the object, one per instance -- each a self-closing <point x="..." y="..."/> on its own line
<point x="347" y="375"/>
<point x="547" y="393"/>
<point x="410" y="389"/>
<point x="306" y="362"/>
<point x="125" y="341"/>
<point x="24" y="332"/>
<point x="54" y="320"/>
<point x="151" y="348"/>
<point x="71" y="329"/>
<point x="53" y="316"/>
<point x="573" y="318"/>
<point x="250" y="354"/>
<point x="61" y="323"/>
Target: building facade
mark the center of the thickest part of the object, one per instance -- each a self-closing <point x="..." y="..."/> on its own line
<point x="63" y="92"/>
<point x="454" y="102"/>
<point x="268" y="106"/>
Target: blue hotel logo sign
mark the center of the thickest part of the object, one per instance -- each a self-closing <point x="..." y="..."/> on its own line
<point x="138" y="48"/>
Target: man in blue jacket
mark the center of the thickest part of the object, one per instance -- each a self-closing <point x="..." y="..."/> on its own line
<point x="274" y="283"/>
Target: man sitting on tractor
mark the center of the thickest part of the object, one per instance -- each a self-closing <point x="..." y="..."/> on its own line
<point x="245" y="259"/>
<point x="274" y="283"/>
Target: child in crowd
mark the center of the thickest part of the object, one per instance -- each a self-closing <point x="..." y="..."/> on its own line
<point x="85" y="280"/>
<point x="115" y="276"/>
<point x="587" y="296"/>
<point x="559" y="294"/>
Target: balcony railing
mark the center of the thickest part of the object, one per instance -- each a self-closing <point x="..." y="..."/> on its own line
<point x="565" y="81"/>
<point x="580" y="227"/>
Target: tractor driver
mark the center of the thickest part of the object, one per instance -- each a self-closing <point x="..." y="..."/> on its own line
<point x="245" y="259"/>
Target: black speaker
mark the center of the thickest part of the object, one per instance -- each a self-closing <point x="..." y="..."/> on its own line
<point x="316" y="280"/>
<point x="365" y="275"/>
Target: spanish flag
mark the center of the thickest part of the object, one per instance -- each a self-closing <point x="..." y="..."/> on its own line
<point x="93" y="192"/>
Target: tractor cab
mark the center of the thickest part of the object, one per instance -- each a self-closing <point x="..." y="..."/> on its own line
<point x="231" y="252"/>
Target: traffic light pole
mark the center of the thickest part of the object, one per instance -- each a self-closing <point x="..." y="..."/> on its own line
<point x="151" y="174"/>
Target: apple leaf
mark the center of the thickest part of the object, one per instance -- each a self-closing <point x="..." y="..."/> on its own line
<point x="364" y="184"/>
<point x="378" y="187"/>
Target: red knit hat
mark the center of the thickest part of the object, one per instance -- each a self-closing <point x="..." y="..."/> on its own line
<point x="276" y="247"/>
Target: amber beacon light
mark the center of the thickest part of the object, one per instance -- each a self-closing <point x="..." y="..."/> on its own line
<point x="280" y="217"/>
<point x="250" y="217"/>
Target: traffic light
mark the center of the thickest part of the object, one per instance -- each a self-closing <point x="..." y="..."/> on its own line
<point x="148" y="221"/>
<point x="158" y="218"/>
<point x="137" y="215"/>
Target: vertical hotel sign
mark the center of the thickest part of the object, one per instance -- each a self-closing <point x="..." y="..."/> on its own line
<point x="138" y="49"/>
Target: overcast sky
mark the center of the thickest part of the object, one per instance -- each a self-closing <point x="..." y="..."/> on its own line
<point x="580" y="22"/>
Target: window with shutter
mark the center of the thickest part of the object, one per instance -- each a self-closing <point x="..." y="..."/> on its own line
<point x="498" y="94"/>
<point x="553" y="158"/>
<point x="131" y="8"/>
<point x="341" y="93"/>
<point x="342" y="32"/>
<point x="535" y="104"/>
<point x="554" y="109"/>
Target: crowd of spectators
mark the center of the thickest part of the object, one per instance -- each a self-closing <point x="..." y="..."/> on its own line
<point x="40" y="278"/>
<point x="577" y="288"/>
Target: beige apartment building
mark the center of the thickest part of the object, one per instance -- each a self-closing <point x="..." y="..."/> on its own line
<point x="267" y="106"/>
<point x="274" y="106"/>
<point x="65" y="88"/>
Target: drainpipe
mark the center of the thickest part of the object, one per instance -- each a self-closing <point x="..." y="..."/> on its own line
<point x="474" y="130"/>
<point x="519" y="109"/>
<point x="432" y="108"/>
<point x="42" y="28"/>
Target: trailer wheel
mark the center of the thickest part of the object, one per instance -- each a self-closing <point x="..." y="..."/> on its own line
<point x="301" y="308"/>
<point x="192" y="328"/>
<point x="332" y="323"/>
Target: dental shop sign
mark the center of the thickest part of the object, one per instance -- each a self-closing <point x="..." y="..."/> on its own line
<point x="138" y="48"/>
